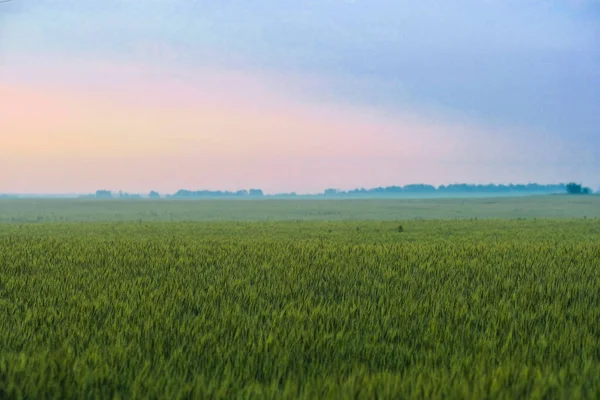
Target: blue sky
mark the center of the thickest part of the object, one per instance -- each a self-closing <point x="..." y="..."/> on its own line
<point x="526" y="73"/>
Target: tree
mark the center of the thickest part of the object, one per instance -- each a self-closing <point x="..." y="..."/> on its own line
<point x="574" y="188"/>
<point x="154" y="195"/>
<point x="103" y="194"/>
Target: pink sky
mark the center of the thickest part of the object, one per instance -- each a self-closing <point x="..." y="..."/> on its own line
<point x="85" y="126"/>
<point x="295" y="96"/>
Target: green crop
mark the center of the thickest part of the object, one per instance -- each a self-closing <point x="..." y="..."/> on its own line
<point x="456" y="309"/>
<point x="24" y="211"/>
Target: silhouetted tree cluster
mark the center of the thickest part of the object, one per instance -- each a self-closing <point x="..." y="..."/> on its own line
<point x="125" y="195"/>
<point x="574" y="188"/>
<point x="104" y="194"/>
<point x="107" y="194"/>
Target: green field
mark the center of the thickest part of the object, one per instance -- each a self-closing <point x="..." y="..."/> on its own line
<point x="300" y="309"/>
<point x="61" y="210"/>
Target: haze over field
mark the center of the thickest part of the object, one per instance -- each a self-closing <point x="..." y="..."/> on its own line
<point x="296" y="95"/>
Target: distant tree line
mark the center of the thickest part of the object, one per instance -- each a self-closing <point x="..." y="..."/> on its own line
<point x="457" y="188"/>
<point x="217" y="193"/>
<point x="452" y="189"/>
<point x="107" y="194"/>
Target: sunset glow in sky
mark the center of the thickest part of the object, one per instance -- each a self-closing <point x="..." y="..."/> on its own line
<point x="296" y="96"/>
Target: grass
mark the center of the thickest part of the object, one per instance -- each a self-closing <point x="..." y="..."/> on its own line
<point x="330" y="309"/>
<point x="62" y="210"/>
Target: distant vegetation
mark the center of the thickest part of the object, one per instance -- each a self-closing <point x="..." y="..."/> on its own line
<point x="574" y="188"/>
<point x="389" y="191"/>
<point x="103" y="194"/>
<point x="217" y="193"/>
<point x="451" y="189"/>
<point x="413" y="190"/>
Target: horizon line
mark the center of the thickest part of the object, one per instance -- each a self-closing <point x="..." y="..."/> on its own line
<point x="327" y="191"/>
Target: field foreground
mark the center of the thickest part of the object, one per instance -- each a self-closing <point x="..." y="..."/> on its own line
<point x="456" y="309"/>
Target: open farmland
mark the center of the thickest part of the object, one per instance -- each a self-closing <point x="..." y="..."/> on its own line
<point x="90" y="210"/>
<point x="358" y="309"/>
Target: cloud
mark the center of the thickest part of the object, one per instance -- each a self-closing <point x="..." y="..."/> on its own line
<point x="137" y="127"/>
<point x="527" y="63"/>
<point x="318" y="92"/>
<point x="115" y="110"/>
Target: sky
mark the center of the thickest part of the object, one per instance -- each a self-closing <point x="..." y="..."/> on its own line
<point x="296" y="95"/>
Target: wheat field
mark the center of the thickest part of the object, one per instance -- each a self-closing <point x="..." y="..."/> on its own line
<point x="372" y="309"/>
